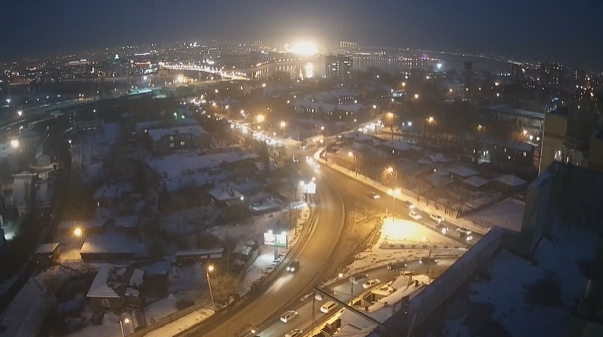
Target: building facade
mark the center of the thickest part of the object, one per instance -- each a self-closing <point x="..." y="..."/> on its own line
<point x="338" y="67"/>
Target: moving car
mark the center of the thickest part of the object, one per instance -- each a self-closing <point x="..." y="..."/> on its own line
<point x="294" y="333"/>
<point x="358" y="278"/>
<point x="288" y="315"/>
<point x="414" y="215"/>
<point x="374" y="195"/>
<point x="295" y="159"/>
<point x="425" y="260"/>
<point x="371" y="283"/>
<point x="293" y="266"/>
<point x="316" y="165"/>
<point x="396" y="265"/>
<point x="442" y="228"/>
<point x="436" y="218"/>
<point x="464" y="234"/>
<point x="325" y="308"/>
<point x="320" y="297"/>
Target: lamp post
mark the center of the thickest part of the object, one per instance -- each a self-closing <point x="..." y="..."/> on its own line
<point x="353" y="156"/>
<point x="210" y="268"/>
<point x="391" y="116"/>
<point x="393" y="193"/>
<point x="121" y="325"/>
<point x="79" y="233"/>
<point x="392" y="171"/>
<point x="283" y="124"/>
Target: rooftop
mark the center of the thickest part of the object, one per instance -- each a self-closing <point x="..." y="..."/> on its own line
<point x="47" y="248"/>
<point x="157" y="134"/>
<point x="511" y="180"/>
<point x="462" y="171"/>
<point x="225" y="193"/>
<point x="476" y="181"/>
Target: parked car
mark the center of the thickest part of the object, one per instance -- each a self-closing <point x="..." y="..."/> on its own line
<point x="358" y="278"/>
<point x="374" y="195"/>
<point x="288" y="315"/>
<point x="371" y="283"/>
<point x="414" y="215"/>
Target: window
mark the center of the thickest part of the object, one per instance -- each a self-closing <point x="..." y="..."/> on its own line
<point x="525" y="154"/>
<point x="182" y="143"/>
<point x="172" y="144"/>
<point x="171" y="137"/>
<point x="558" y="155"/>
<point x="105" y="303"/>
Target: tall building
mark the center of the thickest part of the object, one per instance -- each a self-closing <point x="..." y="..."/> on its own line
<point x="517" y="73"/>
<point x="347" y="46"/>
<point x="551" y="75"/>
<point x="338" y="66"/>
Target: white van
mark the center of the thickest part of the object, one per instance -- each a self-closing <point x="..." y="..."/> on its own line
<point x="328" y="307"/>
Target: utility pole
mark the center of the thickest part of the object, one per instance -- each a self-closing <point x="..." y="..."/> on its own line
<point x="428" y="262"/>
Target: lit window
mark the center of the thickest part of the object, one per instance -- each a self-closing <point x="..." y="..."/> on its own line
<point x="171" y="144"/>
<point x="558" y="155"/>
<point x="171" y="137"/>
<point x="525" y="154"/>
<point x="105" y="303"/>
<point x="182" y="143"/>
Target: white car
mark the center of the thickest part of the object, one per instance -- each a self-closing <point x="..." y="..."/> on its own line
<point x="325" y="308"/>
<point x="370" y="283"/>
<point x="374" y="195"/>
<point x="414" y="215"/>
<point x="316" y="165"/>
<point x="287" y="316"/>
<point x="436" y="218"/>
<point x="294" y="333"/>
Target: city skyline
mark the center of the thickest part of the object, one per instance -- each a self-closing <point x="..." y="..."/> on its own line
<point x="526" y="31"/>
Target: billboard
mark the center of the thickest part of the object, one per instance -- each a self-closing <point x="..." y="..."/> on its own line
<point x="275" y="239"/>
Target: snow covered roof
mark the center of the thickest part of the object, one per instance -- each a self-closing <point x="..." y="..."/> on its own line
<point x="505" y="109"/>
<point x="109" y="243"/>
<point x="357" y="136"/>
<point x="100" y="287"/>
<point x="47" y="248"/>
<point x="137" y="278"/>
<point x="225" y="193"/>
<point x="83" y="224"/>
<point x="176" y="165"/>
<point x="398" y="145"/>
<point x="511" y="180"/>
<point x="127" y="221"/>
<point x="476" y="181"/>
<point x="462" y="171"/>
<point x="438" y="180"/>
<point x="196" y="130"/>
<point x="112" y="191"/>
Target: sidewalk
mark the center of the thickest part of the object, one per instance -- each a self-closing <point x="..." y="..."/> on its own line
<point x="406" y="195"/>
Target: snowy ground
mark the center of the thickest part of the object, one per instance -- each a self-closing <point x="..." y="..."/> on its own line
<point x="109" y="328"/>
<point x="479" y="228"/>
<point x="400" y="231"/>
<point x="506" y="214"/>
<point x="184" y="323"/>
<point x="190" y="220"/>
<point x="543" y="291"/>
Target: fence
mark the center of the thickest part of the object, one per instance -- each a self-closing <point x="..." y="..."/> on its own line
<point x="168" y="319"/>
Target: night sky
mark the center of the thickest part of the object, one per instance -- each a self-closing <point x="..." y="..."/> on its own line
<point x="570" y="32"/>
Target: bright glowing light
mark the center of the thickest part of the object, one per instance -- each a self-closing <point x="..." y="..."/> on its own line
<point x="180" y="78"/>
<point x="14" y="143"/>
<point x="126" y="320"/>
<point x="283" y="124"/>
<point x="20" y="113"/>
<point x="210" y="268"/>
<point x="416" y="96"/>
<point x="260" y="118"/>
<point x="77" y="232"/>
<point x="350" y="154"/>
<point x="309" y="70"/>
<point x="439" y="66"/>
<point x="304" y="48"/>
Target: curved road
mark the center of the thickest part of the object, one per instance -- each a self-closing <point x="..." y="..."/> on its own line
<point x="314" y="258"/>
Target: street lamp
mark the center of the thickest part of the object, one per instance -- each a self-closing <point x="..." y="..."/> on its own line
<point x="20" y="113"/>
<point x="121" y="325"/>
<point x="395" y="173"/>
<point x="14" y="143"/>
<point x="283" y="124"/>
<point x="210" y="268"/>
<point x="353" y="156"/>
<point x="430" y="120"/>
<point x="393" y="193"/>
<point x="416" y="96"/>
<point x="391" y="116"/>
<point x="260" y="118"/>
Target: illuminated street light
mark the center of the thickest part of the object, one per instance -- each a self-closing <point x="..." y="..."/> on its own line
<point x="283" y="124"/>
<point x="260" y="118"/>
<point x="393" y="193"/>
<point x="121" y="325"/>
<point x="374" y="106"/>
<point x="210" y="268"/>
<point x="430" y="120"/>
<point x="416" y="96"/>
<point x="77" y="232"/>
<point x="14" y="143"/>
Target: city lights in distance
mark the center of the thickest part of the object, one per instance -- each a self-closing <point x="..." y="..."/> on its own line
<point x="304" y="48"/>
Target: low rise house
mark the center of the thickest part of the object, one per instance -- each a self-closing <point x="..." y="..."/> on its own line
<point x="109" y="247"/>
<point x="86" y="227"/>
<point x="109" y="194"/>
<point x="167" y="140"/>
<point x="116" y="287"/>
<point x="461" y="172"/>
<point x="510" y="183"/>
<point x="127" y="224"/>
<point x="47" y="254"/>
<point x="224" y="195"/>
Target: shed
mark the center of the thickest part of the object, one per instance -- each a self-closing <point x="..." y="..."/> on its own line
<point x="47" y="254"/>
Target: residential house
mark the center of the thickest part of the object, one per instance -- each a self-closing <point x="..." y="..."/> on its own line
<point x="42" y="159"/>
<point x="461" y="172"/>
<point x="510" y="183"/>
<point x="110" y="194"/>
<point x="224" y="195"/>
<point x="167" y="140"/>
<point x="116" y="287"/>
<point x="87" y="227"/>
<point x="47" y="254"/>
<point x="23" y="190"/>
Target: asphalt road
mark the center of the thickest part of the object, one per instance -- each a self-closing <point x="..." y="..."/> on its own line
<point x="314" y="258"/>
<point x="356" y="194"/>
<point x="309" y="314"/>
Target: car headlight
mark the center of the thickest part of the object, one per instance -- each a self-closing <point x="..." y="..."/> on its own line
<point x="288" y="268"/>
<point x="292" y="269"/>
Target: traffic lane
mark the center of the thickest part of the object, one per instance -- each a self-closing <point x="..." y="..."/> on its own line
<point x="309" y="311"/>
<point x="359" y="192"/>
<point x="313" y="257"/>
